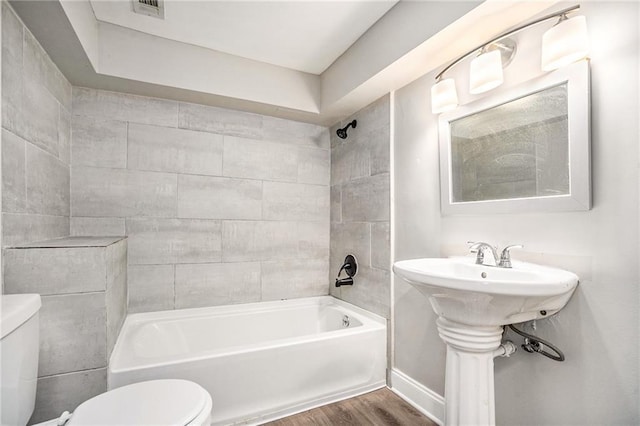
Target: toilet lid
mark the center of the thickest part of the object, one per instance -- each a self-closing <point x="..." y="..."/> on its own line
<point x="156" y="402"/>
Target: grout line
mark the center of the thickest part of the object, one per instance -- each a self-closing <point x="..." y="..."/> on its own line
<point x="370" y="244"/>
<point x="34" y="145"/>
<point x="261" y="282"/>
<point x="126" y="142"/>
<point x="73" y="372"/>
<point x="176" y="215"/>
<point x="222" y="156"/>
<point x="43" y="215"/>
<point x="26" y="186"/>
<point x="167" y="172"/>
<point x="74" y="293"/>
<point x="262" y="200"/>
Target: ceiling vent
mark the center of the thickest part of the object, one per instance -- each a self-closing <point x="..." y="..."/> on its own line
<point x="153" y="8"/>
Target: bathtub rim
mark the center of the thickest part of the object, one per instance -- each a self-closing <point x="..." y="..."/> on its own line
<point x="370" y="322"/>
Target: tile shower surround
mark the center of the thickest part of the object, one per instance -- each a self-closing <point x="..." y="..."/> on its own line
<point x="36" y="134"/>
<point x="360" y="206"/>
<point x="219" y="206"/>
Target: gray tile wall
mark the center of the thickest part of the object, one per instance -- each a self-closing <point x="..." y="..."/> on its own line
<point x="359" y="206"/>
<point x="83" y="284"/>
<point x="36" y="134"/>
<point x="219" y="206"/>
<point x="83" y="300"/>
<point x="67" y="390"/>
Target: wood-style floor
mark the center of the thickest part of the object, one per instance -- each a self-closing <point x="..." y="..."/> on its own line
<point x="379" y="408"/>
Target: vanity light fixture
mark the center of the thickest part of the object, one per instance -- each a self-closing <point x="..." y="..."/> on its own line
<point x="485" y="72"/>
<point x="444" y="96"/>
<point x="563" y="44"/>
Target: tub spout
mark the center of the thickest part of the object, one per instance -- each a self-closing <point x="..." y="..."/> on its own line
<point x="350" y="267"/>
<point x="344" y="281"/>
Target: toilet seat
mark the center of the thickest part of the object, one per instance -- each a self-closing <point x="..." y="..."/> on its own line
<point x="156" y="402"/>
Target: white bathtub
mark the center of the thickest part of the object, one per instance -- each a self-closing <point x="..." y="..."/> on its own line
<point x="259" y="361"/>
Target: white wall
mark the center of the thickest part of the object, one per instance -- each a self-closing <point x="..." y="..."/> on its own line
<point x="598" y="330"/>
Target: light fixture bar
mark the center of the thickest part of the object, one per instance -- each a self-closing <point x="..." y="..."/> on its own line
<point x="506" y="34"/>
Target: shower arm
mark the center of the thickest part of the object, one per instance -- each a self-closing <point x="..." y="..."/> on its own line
<point x="342" y="133"/>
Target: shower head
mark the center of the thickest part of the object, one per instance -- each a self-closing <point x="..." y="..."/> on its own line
<point x="342" y="133"/>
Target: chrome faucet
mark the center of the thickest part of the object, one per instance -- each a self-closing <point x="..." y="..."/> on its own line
<point x="481" y="247"/>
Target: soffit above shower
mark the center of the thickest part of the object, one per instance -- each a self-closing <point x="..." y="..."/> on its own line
<point x="306" y="36"/>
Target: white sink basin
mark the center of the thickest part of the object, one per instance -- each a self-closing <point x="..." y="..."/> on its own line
<point x="478" y="295"/>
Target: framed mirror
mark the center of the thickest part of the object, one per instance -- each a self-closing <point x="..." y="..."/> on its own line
<point x="520" y="149"/>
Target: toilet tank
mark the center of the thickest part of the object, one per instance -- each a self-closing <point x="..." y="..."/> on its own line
<point x="19" y="329"/>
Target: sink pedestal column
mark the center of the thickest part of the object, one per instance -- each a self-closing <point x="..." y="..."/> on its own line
<point x="469" y="395"/>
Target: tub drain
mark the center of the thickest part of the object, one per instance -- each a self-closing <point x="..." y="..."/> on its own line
<point x="345" y="321"/>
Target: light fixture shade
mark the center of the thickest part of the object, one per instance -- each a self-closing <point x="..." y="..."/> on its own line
<point x="485" y="72"/>
<point x="444" y="96"/>
<point x="565" y="43"/>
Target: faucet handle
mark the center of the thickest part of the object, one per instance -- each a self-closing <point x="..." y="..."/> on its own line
<point x="505" y="256"/>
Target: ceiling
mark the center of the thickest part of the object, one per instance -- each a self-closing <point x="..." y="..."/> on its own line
<point x="305" y="36"/>
<point x="390" y="49"/>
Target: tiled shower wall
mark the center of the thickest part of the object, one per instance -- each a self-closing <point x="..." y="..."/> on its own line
<point x="36" y="105"/>
<point x="360" y="203"/>
<point x="219" y="206"/>
<point x="36" y="133"/>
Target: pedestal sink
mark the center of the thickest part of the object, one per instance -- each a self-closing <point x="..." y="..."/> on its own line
<point x="473" y="302"/>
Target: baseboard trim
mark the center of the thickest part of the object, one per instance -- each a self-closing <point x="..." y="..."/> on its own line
<point x="419" y="396"/>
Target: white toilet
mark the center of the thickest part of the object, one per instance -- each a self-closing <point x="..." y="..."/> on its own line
<point x="156" y="402"/>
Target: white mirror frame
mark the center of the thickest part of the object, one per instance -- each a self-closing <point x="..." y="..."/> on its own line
<point x="578" y="97"/>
